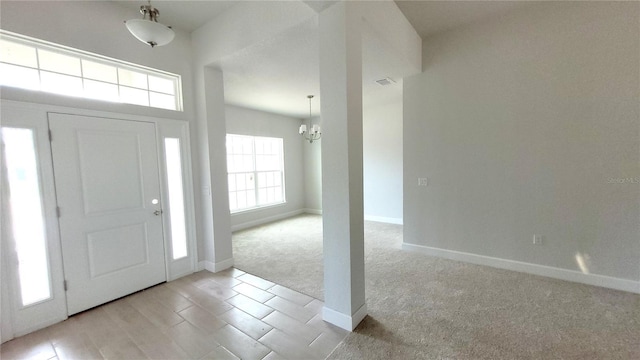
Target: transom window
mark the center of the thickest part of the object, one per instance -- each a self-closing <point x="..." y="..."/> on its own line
<point x="34" y="64"/>
<point x="256" y="171"/>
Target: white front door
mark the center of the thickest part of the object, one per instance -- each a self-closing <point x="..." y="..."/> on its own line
<point x="108" y="193"/>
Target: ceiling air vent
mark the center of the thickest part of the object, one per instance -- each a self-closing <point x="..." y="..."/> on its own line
<point x="386" y="81"/>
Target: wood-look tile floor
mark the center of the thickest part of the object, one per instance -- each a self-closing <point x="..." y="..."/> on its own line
<point x="226" y="315"/>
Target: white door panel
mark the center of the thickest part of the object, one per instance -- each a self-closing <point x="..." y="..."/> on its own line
<point x="110" y="184"/>
<point x="107" y="177"/>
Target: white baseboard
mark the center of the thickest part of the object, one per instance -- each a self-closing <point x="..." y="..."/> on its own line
<point x="382" y="219"/>
<point x="342" y="320"/>
<point x="268" y="219"/>
<point x="215" y="267"/>
<point x="535" y="269"/>
<point x="389" y="220"/>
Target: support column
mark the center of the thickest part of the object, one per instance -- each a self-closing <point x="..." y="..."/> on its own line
<point x="218" y="247"/>
<point x="342" y="189"/>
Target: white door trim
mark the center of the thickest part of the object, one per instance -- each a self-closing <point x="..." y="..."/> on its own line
<point x="108" y="192"/>
<point x="165" y="127"/>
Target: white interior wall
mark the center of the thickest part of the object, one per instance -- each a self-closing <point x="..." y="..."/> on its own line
<point x="257" y="123"/>
<point x="382" y="152"/>
<point x="97" y="27"/>
<point x="382" y="156"/>
<point x="241" y="26"/>
<point x="528" y="124"/>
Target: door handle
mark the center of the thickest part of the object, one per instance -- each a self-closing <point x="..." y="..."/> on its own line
<point x="157" y="212"/>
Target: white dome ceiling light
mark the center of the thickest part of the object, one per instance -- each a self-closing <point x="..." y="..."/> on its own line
<point x="149" y="30"/>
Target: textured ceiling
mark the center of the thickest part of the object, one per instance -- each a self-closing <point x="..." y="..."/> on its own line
<point x="431" y="17"/>
<point x="187" y="15"/>
<point x="277" y="75"/>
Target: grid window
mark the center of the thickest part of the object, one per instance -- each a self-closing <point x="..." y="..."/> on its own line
<point x="14" y="53"/>
<point x="18" y="76"/>
<point x="256" y="172"/>
<point x="37" y="65"/>
<point x="101" y="72"/>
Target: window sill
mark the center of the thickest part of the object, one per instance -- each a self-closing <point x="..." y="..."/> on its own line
<point x="256" y="209"/>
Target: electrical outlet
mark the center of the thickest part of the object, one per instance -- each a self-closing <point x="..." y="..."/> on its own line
<point x="537" y="239"/>
<point x="423" y="181"/>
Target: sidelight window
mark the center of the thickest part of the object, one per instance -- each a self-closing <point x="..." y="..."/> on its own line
<point x="176" y="198"/>
<point x="26" y="214"/>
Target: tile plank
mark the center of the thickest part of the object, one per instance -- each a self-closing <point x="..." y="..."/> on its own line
<point x="315" y="305"/>
<point x="240" y="344"/>
<point x="169" y="350"/>
<point x="292" y="327"/>
<point x="291" y="295"/>
<point x="202" y="319"/>
<point x="256" y="281"/>
<point x="253" y="292"/>
<point x="168" y="297"/>
<point x="125" y="350"/>
<point x="294" y="310"/>
<point x="231" y="272"/>
<point x="326" y="343"/>
<point x="153" y="310"/>
<point x="99" y="326"/>
<point x="217" y="290"/>
<point x="250" y="306"/>
<point x="79" y="346"/>
<point x="288" y="346"/>
<point x="220" y="353"/>
<point x="32" y="346"/>
<point x="192" y="340"/>
<point x="226" y="315"/>
<point x="210" y="303"/>
<point x="274" y="356"/>
<point x="324" y="326"/>
<point x="246" y="323"/>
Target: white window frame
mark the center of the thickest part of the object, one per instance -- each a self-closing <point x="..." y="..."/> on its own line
<point x="41" y="45"/>
<point x="185" y="265"/>
<point x="255" y="174"/>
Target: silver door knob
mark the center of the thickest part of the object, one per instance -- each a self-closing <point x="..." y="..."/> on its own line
<point x="157" y="212"/>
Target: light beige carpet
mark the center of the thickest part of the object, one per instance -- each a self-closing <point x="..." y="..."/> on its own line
<point x="422" y="307"/>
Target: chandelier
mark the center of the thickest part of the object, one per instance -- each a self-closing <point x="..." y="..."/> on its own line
<point x="310" y="133"/>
